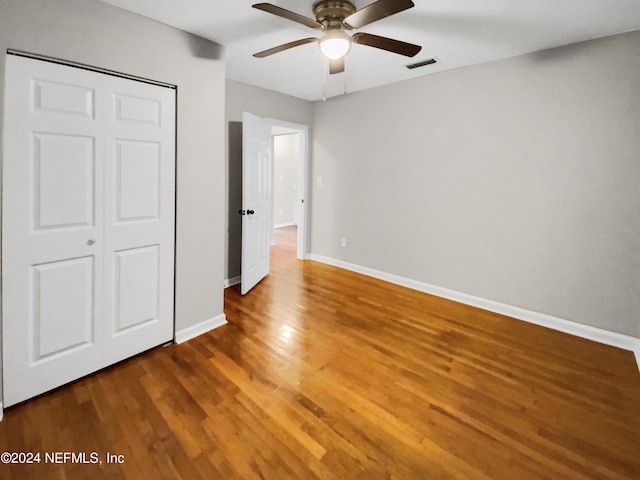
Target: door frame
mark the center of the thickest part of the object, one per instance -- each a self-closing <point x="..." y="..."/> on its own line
<point x="302" y="252"/>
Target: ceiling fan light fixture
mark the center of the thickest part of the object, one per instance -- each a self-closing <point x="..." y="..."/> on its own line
<point x="335" y="44"/>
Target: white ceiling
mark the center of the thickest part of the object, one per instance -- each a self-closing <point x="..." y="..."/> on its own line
<point x="456" y="32"/>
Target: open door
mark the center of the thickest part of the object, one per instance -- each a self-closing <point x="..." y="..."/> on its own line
<point x="256" y="200"/>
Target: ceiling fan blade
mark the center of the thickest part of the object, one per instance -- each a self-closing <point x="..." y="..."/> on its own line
<point x="377" y="11"/>
<point x="284" y="46"/>
<point x="336" y="66"/>
<point x="388" y="44"/>
<point x="288" y="14"/>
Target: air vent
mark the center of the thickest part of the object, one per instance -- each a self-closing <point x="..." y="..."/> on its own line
<point x="421" y="64"/>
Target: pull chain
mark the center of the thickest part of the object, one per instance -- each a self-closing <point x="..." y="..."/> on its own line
<point x="344" y="74"/>
<point x="324" y="79"/>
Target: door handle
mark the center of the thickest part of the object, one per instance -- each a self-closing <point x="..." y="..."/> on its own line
<point x="241" y="212"/>
<point x="250" y="212"/>
<point x="246" y="212"/>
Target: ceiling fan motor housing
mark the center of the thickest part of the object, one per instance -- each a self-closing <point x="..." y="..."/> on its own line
<point x="331" y="13"/>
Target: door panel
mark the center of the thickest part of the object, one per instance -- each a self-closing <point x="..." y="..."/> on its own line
<point x="63" y="307"/>
<point x="63" y="173"/>
<point x="85" y="229"/>
<point x="256" y="198"/>
<point x="137" y="180"/>
<point x="136" y="289"/>
<point x="63" y="98"/>
<point x="138" y="110"/>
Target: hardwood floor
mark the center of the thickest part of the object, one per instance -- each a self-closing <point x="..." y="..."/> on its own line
<point x="323" y="373"/>
<point x="286" y="239"/>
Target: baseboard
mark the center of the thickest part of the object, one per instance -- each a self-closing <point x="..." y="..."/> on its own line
<point x="1" y="411"/>
<point x="230" y="282"/>
<point x="282" y="225"/>
<point x="567" y="326"/>
<point x="203" y="327"/>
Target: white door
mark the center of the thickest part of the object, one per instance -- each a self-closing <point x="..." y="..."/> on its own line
<point x="139" y="217"/>
<point x="256" y="200"/>
<point x="87" y="223"/>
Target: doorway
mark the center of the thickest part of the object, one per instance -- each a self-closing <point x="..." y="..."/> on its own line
<point x="289" y="207"/>
<point x="255" y="179"/>
<point x="286" y="184"/>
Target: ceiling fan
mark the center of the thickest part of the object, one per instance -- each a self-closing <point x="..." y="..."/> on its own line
<point x="335" y="18"/>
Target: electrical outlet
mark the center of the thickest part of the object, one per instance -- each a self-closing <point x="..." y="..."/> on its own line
<point x="343" y="243"/>
<point x="319" y="181"/>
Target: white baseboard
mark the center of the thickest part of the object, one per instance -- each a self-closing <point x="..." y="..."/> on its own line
<point x="288" y="224"/>
<point x="599" y="335"/>
<point x="1" y="411"/>
<point x="203" y="327"/>
<point x="230" y="282"/>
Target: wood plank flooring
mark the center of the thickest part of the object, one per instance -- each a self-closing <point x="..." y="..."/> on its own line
<point x="323" y="373"/>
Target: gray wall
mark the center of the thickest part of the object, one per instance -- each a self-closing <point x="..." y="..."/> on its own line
<point x="515" y="181"/>
<point x="96" y="34"/>
<point x="264" y="103"/>
<point x="286" y="166"/>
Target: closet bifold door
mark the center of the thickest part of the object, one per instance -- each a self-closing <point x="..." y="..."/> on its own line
<point x="73" y="175"/>
<point x="139" y="217"/>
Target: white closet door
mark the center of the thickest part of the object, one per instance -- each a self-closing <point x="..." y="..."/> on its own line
<point x="59" y="246"/>
<point x="139" y="217"/>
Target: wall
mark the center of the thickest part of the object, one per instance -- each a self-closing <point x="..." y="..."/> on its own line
<point x="286" y="164"/>
<point x="515" y="181"/>
<point x="264" y="103"/>
<point x="93" y="33"/>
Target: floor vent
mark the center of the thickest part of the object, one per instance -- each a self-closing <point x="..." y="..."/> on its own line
<point x="421" y="64"/>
